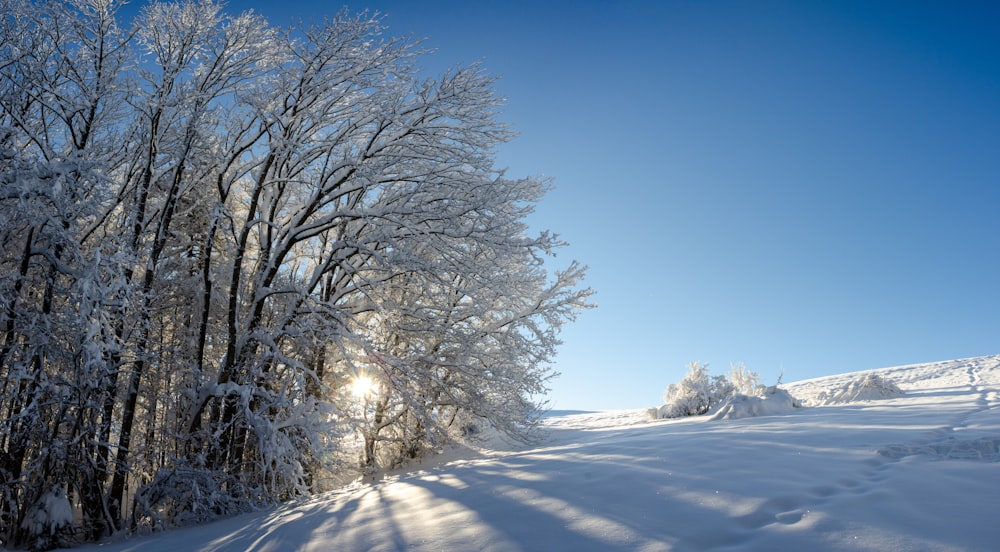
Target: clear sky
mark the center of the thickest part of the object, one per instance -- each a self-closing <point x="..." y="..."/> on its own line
<point x="802" y="186"/>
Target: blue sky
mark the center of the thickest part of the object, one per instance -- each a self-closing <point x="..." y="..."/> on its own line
<point x="806" y="187"/>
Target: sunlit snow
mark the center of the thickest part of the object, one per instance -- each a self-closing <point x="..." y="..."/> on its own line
<point x="919" y="471"/>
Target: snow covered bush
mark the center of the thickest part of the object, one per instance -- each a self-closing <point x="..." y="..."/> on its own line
<point x="696" y="394"/>
<point x="186" y="496"/>
<point x="737" y="396"/>
<point x="48" y="520"/>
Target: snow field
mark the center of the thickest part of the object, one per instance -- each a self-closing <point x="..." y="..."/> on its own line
<point x="909" y="473"/>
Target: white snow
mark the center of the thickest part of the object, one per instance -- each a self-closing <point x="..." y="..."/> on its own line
<point x="868" y="387"/>
<point x="916" y="472"/>
<point x="774" y="401"/>
<point x="52" y="512"/>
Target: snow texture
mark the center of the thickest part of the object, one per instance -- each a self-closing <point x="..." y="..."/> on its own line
<point x="917" y="472"/>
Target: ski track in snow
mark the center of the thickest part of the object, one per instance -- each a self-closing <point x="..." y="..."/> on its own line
<point x="919" y="472"/>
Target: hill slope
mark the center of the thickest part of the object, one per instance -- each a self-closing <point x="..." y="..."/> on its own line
<point x="918" y="472"/>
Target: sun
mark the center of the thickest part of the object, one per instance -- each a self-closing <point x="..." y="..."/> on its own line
<point x="362" y="386"/>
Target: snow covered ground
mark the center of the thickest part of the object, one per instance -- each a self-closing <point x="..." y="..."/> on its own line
<point x="917" y="472"/>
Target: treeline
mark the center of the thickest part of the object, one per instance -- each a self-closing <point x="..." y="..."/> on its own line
<point x="211" y="227"/>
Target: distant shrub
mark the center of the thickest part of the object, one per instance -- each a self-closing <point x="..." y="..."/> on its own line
<point x="739" y="395"/>
<point x="696" y="394"/>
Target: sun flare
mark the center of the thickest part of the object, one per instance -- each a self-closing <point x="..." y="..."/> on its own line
<point x="362" y="386"/>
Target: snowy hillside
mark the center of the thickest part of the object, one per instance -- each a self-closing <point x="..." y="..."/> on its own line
<point x="917" y="472"/>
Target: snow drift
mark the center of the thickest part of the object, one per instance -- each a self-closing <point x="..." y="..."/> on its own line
<point x="869" y="387"/>
<point x="773" y="401"/>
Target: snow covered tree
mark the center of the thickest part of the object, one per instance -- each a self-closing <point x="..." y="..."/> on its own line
<point x="211" y="226"/>
<point x="468" y="340"/>
<point x="60" y="115"/>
